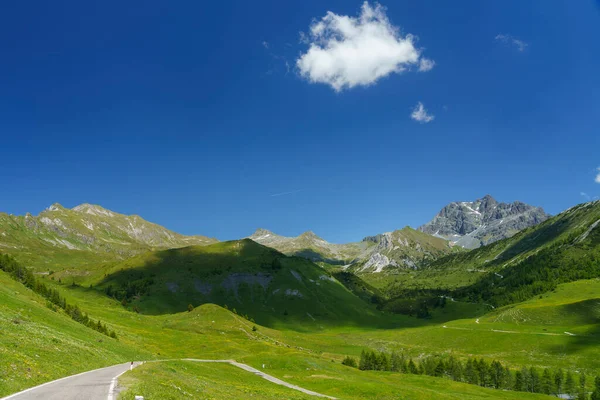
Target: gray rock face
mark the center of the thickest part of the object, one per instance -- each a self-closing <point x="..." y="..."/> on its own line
<point x="480" y="222"/>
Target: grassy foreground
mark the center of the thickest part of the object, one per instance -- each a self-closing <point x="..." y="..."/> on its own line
<point x="30" y="353"/>
<point x="38" y="345"/>
<point x="191" y="380"/>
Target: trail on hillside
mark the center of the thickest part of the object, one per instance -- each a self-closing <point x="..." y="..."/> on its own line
<point x="263" y="375"/>
<point x="504" y="331"/>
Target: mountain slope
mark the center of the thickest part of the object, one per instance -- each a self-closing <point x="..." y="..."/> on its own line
<point x="312" y="247"/>
<point x="85" y="234"/>
<point x="244" y="275"/>
<point x="38" y="344"/>
<point x="404" y="248"/>
<point x="562" y="249"/>
<point x="483" y="221"/>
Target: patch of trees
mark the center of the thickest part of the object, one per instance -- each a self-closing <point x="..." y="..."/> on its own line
<point x="360" y="288"/>
<point x="542" y="272"/>
<point x="55" y="300"/>
<point x="130" y="289"/>
<point x="494" y="375"/>
<point x="416" y="302"/>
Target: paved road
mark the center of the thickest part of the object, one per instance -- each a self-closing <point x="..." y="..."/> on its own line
<point x="98" y="384"/>
<point x="268" y="377"/>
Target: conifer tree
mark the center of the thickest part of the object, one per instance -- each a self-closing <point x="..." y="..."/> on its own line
<point x="582" y="393"/>
<point x="596" y="393"/>
<point x="546" y="383"/>
<point x="570" y="384"/>
<point x="559" y="379"/>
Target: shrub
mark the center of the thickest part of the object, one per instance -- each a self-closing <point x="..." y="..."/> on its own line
<point x="349" y="361"/>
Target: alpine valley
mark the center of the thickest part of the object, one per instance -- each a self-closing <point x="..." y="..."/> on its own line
<point x="487" y="300"/>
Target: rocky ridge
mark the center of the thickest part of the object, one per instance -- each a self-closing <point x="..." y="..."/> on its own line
<point x="483" y="221"/>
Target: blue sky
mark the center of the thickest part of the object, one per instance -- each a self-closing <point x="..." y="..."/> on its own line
<point x="217" y="118"/>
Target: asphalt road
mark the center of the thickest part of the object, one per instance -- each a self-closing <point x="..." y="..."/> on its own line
<point x="100" y="384"/>
<point x="91" y="385"/>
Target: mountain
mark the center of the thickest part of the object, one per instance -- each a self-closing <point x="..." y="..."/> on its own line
<point x="244" y="276"/>
<point x="312" y="247"/>
<point x="483" y="221"/>
<point x="59" y="236"/>
<point x="562" y="249"/>
<point x="404" y="248"/>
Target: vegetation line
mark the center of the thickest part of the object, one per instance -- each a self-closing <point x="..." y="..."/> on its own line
<point x="26" y="277"/>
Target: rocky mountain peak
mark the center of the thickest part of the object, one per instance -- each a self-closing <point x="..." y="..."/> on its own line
<point x="55" y="207"/>
<point x="310" y="235"/>
<point x="93" y="210"/>
<point x="474" y="223"/>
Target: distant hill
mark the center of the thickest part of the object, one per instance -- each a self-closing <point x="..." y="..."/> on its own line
<point x="401" y="249"/>
<point x="471" y="224"/>
<point x="253" y="279"/>
<point x="60" y="237"/>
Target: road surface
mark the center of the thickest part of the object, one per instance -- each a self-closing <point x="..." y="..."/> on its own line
<point x="99" y="384"/>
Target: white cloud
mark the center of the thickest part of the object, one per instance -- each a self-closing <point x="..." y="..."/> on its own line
<point x="420" y="114"/>
<point x="508" y="39"/>
<point x="598" y="176"/>
<point x="265" y="44"/>
<point x="345" y="51"/>
<point x="426" y="64"/>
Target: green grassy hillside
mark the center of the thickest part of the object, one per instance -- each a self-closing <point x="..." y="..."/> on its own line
<point x="255" y="280"/>
<point x="38" y="344"/>
<point x="562" y="249"/>
<point x="181" y="379"/>
<point x="61" y="238"/>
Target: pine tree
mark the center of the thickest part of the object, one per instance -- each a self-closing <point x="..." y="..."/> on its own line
<point x="582" y="393"/>
<point x="497" y="375"/>
<point x="534" y="380"/>
<point x="483" y="372"/>
<point x="471" y="373"/>
<point x="559" y="378"/>
<point x="596" y="393"/>
<point x="518" y="386"/>
<point x="412" y="368"/>
<point x="362" y="362"/>
<point x="396" y="363"/>
<point x="570" y="384"/>
<point x="546" y="383"/>
<point x="455" y="369"/>
<point x="439" y="369"/>
<point x="526" y="376"/>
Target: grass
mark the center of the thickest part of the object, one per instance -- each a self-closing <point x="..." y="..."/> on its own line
<point x="38" y="344"/>
<point x="271" y="288"/>
<point x="44" y="345"/>
<point x="193" y="380"/>
<point x="185" y="379"/>
<point x="304" y="359"/>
